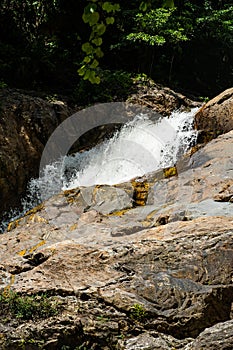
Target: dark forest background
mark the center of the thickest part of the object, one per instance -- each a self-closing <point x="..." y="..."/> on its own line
<point x="186" y="45"/>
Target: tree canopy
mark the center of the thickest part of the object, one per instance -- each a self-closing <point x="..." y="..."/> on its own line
<point x="69" y="45"/>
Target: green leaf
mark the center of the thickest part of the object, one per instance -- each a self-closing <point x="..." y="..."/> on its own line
<point x="85" y="18"/>
<point x="99" y="53"/>
<point x="94" y="64"/>
<point x="91" y="18"/>
<point x="110" y="20"/>
<point x="90" y="8"/>
<point x="81" y="71"/>
<point x="87" y="48"/>
<point x="97" y="80"/>
<point x="87" y="74"/>
<point x="87" y="59"/>
<point x="92" y="77"/>
<point x="100" y="28"/>
<point x="107" y="6"/>
<point x="116" y="7"/>
<point x="97" y="41"/>
<point x="94" y="18"/>
<point x="168" y="4"/>
<point x="143" y="6"/>
<point x="160" y="40"/>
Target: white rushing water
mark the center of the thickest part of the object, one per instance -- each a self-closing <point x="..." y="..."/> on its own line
<point x="141" y="146"/>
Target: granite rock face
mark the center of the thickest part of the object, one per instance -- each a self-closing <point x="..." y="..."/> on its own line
<point x="147" y="264"/>
<point x="216" y="116"/>
<point x="26" y="122"/>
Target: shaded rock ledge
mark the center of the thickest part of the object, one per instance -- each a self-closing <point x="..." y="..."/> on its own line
<point x="26" y="122"/>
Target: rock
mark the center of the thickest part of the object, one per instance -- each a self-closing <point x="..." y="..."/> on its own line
<point x="175" y="279"/>
<point x="109" y="199"/>
<point x="199" y="187"/>
<point x="215" y="117"/>
<point x="220" y="336"/>
<point x="146" y="264"/>
<point x="161" y="197"/>
<point x="161" y="99"/>
<point x="145" y="342"/>
<point x="153" y="341"/>
<point x="155" y="273"/>
<point x="26" y="122"/>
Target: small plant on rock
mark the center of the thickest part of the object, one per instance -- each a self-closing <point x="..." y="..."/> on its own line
<point x="138" y="312"/>
<point x="27" y="307"/>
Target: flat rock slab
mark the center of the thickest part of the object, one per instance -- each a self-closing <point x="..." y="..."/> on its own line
<point x="175" y="278"/>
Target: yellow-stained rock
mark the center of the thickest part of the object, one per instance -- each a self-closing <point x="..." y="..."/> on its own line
<point x="30" y="216"/>
<point x="169" y="172"/>
<point x="22" y="252"/>
<point x="141" y="189"/>
<point x="37" y="246"/>
<point x="73" y="227"/>
<point x="35" y="209"/>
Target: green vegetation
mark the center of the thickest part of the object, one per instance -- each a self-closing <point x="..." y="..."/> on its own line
<point x="138" y="312"/>
<point x="27" y="307"/>
<point x="61" y="46"/>
<point x="101" y="318"/>
<point x="67" y="347"/>
<point x="2" y="85"/>
<point x="113" y="86"/>
<point x="92" y="48"/>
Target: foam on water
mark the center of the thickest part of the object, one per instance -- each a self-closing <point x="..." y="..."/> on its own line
<point x="141" y="146"/>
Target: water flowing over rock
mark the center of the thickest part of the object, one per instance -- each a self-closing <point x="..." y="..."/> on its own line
<point x="26" y="122"/>
<point x="145" y="264"/>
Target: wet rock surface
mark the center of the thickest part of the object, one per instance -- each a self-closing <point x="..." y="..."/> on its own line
<point x="146" y="264"/>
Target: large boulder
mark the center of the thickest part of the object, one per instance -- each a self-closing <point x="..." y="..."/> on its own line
<point x="161" y="99"/>
<point x="26" y="122"/>
<point x="216" y="116"/>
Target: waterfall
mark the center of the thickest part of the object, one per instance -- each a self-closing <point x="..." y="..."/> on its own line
<point x="139" y="147"/>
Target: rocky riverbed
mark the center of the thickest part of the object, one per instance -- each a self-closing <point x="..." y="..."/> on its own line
<point x="146" y="264"/>
<point x="27" y="121"/>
